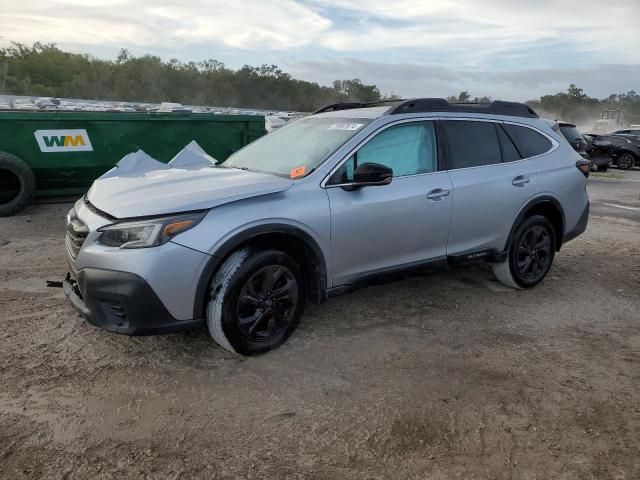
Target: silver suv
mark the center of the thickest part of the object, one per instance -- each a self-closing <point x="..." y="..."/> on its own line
<point x="327" y="203"/>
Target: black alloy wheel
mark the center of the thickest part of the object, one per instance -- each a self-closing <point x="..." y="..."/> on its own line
<point x="625" y="161"/>
<point x="267" y="303"/>
<point x="534" y="253"/>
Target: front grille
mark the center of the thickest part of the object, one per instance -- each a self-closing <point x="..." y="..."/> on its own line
<point x="77" y="232"/>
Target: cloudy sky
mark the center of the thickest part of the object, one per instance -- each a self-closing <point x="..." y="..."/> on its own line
<point x="511" y="49"/>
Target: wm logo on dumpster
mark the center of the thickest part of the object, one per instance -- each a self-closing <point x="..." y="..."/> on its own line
<point x="63" y="140"/>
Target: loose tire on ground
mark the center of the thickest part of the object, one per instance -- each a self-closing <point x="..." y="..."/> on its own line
<point x="17" y="184"/>
<point x="236" y="286"/>
<point x="508" y="272"/>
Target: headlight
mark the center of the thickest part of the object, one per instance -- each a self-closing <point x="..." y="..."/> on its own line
<point x="147" y="233"/>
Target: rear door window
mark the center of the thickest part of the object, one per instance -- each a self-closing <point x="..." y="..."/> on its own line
<point x="472" y="144"/>
<point x="509" y="151"/>
<point x="529" y="142"/>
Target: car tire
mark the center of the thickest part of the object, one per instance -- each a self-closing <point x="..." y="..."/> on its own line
<point x="17" y="184"/>
<point x="257" y="300"/>
<point x="530" y="254"/>
<point x="603" y="168"/>
<point x="625" y="161"/>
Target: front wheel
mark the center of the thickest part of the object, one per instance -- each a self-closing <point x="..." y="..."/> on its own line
<point x="257" y="300"/>
<point x="625" y="161"/>
<point x="530" y="254"/>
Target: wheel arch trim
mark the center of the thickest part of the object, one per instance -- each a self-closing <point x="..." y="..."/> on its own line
<point x="534" y="202"/>
<point x="318" y="294"/>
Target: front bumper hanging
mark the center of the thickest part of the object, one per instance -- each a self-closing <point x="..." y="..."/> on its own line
<point x="121" y="302"/>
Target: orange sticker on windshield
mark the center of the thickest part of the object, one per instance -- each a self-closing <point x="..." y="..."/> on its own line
<point x="298" y="171"/>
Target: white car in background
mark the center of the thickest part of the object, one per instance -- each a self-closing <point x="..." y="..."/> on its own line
<point x="271" y="123"/>
<point x="170" y="107"/>
<point x="23" y="104"/>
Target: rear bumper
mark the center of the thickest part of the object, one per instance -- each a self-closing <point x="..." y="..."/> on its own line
<point x="600" y="160"/>
<point x="580" y="227"/>
<point x="121" y="302"/>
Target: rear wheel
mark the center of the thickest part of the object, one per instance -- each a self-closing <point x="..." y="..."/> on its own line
<point x="625" y="161"/>
<point x="17" y="184"/>
<point x="530" y="254"/>
<point x="258" y="298"/>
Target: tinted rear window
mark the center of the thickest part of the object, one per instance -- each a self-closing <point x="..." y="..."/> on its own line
<point x="570" y="133"/>
<point x="529" y="142"/>
<point x="472" y="144"/>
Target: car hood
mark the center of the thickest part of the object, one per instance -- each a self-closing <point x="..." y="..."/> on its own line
<point x="172" y="190"/>
<point x="179" y="190"/>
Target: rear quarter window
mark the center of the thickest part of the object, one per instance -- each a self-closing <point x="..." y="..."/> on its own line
<point x="529" y="142"/>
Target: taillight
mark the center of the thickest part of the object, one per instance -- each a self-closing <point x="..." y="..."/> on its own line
<point x="584" y="166"/>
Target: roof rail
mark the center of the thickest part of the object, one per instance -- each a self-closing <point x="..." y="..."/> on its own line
<point x="334" y="107"/>
<point x="497" y="107"/>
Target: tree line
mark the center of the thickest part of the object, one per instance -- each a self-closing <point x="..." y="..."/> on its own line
<point x="46" y="71"/>
<point x="574" y="105"/>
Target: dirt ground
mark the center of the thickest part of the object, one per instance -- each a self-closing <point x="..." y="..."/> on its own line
<point x="436" y="377"/>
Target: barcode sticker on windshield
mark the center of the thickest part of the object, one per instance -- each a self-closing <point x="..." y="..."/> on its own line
<point x="345" y="126"/>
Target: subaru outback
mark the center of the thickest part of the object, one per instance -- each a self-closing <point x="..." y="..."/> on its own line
<point x="327" y="203"/>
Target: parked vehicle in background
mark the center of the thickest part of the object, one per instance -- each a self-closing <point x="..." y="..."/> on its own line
<point x="621" y="150"/>
<point x="22" y="104"/>
<point x="582" y="144"/>
<point x="67" y="106"/>
<point x="61" y="153"/>
<point x="598" y="151"/>
<point x="627" y="151"/>
<point x="574" y="137"/>
<point x="4" y="105"/>
<point x="168" y="107"/>
<point x="46" y="103"/>
<point x="633" y="130"/>
<point x="338" y="199"/>
<point x="273" y="123"/>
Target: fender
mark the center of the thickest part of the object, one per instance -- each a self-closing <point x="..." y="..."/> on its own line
<point x="541" y="200"/>
<point x="318" y="288"/>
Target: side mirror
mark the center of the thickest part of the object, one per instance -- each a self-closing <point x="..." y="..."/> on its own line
<point x="370" y="175"/>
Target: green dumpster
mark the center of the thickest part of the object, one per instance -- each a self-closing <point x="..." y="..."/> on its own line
<point x="61" y="153"/>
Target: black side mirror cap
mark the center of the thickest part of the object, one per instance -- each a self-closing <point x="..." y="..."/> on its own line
<point x="372" y="174"/>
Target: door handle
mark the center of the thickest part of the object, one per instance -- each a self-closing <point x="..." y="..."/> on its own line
<point x="520" y="181"/>
<point x="437" y="194"/>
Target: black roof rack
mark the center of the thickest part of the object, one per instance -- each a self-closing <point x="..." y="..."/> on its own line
<point x="334" y="107"/>
<point x="497" y="107"/>
<point x="422" y="105"/>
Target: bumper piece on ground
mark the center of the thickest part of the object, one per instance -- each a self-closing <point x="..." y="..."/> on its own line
<point x="121" y="302"/>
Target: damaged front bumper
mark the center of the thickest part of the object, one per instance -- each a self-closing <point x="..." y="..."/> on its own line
<point x="121" y="302"/>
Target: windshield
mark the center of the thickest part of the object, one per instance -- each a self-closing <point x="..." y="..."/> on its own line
<point x="298" y="148"/>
